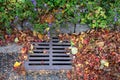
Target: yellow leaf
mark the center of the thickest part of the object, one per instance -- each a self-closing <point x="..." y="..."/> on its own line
<point x="17" y="64"/>
<point x="63" y="11"/>
<point x="47" y="29"/>
<point x="34" y="33"/>
<point x="80" y="45"/>
<point x="40" y="36"/>
<point x="30" y="51"/>
<point x="105" y="63"/>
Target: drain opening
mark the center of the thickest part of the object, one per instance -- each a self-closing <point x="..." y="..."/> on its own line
<point x="60" y="52"/>
<point x="61" y="64"/>
<point x="61" y="45"/>
<point x="43" y="44"/>
<point x="42" y="48"/>
<point x="61" y="60"/>
<point x="55" y="41"/>
<point x="58" y="48"/>
<point x="61" y="56"/>
<point x="38" y="51"/>
<point x="54" y="37"/>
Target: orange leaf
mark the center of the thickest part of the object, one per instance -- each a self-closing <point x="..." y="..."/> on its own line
<point x="23" y="50"/>
<point x="50" y="18"/>
<point x="40" y="36"/>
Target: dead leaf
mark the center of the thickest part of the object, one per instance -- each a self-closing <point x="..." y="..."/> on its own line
<point x="100" y="44"/>
<point x="68" y="75"/>
<point x="31" y="47"/>
<point x="50" y="18"/>
<point x="16" y="40"/>
<point x="40" y="36"/>
<point x="104" y="62"/>
<point x="34" y="33"/>
<point x="74" y="50"/>
<point x="25" y="57"/>
<point x="17" y="64"/>
<point x="45" y="51"/>
<point x="24" y="50"/>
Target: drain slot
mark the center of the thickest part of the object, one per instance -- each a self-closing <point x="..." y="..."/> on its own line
<point x="61" y="64"/>
<point x="60" y="45"/>
<point x="38" y="51"/>
<point x="42" y="48"/>
<point x="59" y="52"/>
<point x="55" y="41"/>
<point x="58" y="48"/>
<point x="43" y="44"/>
<point x="61" y="60"/>
<point x="61" y="56"/>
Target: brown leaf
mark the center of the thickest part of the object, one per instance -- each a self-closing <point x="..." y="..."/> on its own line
<point x="50" y="18"/>
<point x="100" y="44"/>
<point x="40" y="36"/>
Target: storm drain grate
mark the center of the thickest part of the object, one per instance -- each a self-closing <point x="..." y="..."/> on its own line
<point x="49" y="56"/>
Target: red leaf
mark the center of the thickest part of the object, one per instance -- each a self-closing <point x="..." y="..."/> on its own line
<point x="69" y="75"/>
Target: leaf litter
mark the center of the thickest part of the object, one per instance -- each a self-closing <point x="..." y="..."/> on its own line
<point x="96" y="52"/>
<point x="97" y="56"/>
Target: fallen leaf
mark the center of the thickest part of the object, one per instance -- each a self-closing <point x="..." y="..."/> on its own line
<point x="72" y="43"/>
<point x="25" y="57"/>
<point x="30" y="51"/>
<point x="100" y="44"/>
<point x="34" y="33"/>
<point x="45" y="51"/>
<point x="104" y="62"/>
<point x="31" y="47"/>
<point x="74" y="50"/>
<point x="50" y="18"/>
<point x="47" y="29"/>
<point x="17" y="64"/>
<point x="16" y="40"/>
<point x="68" y="75"/>
<point x="23" y="50"/>
<point x="40" y="36"/>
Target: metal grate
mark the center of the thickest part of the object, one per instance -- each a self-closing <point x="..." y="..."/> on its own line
<point x="49" y="56"/>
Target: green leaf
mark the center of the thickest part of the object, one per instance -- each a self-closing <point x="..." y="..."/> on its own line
<point x="16" y="40"/>
<point x="74" y="50"/>
<point x="72" y="43"/>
